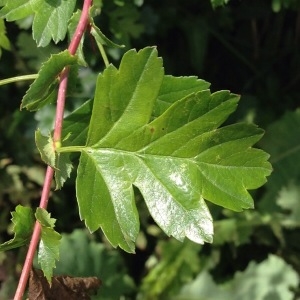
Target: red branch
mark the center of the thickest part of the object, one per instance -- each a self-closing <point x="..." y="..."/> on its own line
<point x="61" y="96"/>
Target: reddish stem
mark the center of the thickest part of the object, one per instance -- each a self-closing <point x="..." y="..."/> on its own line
<point x="61" y="96"/>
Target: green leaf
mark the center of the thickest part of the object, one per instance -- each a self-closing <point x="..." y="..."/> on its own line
<point x="89" y="258"/>
<point x="59" y="161"/>
<point x="178" y="263"/>
<point x="282" y="142"/>
<point x="216" y="3"/>
<point x="18" y="9"/>
<point x="256" y="282"/>
<point x="63" y="169"/>
<point x="48" y="251"/>
<point x="51" y="21"/>
<point x="76" y="124"/>
<point x="4" y="41"/>
<point x="46" y="148"/>
<point x="174" y="89"/>
<point x="23" y="221"/>
<point x="101" y="38"/>
<point x="50" y="17"/>
<point x="176" y="161"/>
<point x="44" y="89"/>
<point x="288" y="200"/>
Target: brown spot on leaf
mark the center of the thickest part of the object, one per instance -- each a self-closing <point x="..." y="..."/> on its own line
<point x="62" y="287"/>
<point x="152" y="129"/>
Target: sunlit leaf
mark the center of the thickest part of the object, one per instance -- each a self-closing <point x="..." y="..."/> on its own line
<point x="176" y="160"/>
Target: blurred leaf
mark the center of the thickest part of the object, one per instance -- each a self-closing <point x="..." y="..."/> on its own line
<point x="268" y="280"/>
<point x="282" y="142"/>
<point x="89" y="258"/>
<point x="33" y="55"/>
<point x="216" y="3"/>
<point x="4" y="41"/>
<point x="289" y="201"/>
<point x="18" y="9"/>
<point x="23" y="221"/>
<point x="48" y="251"/>
<point x="125" y="23"/>
<point x="176" y="161"/>
<point x="202" y="288"/>
<point x="177" y="264"/>
<point x="43" y="90"/>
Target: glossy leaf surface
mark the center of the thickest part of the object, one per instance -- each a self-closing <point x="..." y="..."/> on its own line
<point x="176" y="160"/>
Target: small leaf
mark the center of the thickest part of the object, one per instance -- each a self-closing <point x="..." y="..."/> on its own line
<point x="23" y="220"/>
<point x="48" y="251"/>
<point x="63" y="169"/>
<point x="60" y="162"/>
<point x="51" y="21"/>
<point x="46" y="148"/>
<point x="44" y="89"/>
<point x="101" y="38"/>
<point x="44" y="218"/>
<point x="18" y="9"/>
<point x="50" y="17"/>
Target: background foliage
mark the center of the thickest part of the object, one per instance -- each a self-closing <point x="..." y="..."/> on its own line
<point x="249" y="47"/>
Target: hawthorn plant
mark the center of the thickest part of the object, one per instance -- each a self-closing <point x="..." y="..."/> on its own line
<point x="143" y="129"/>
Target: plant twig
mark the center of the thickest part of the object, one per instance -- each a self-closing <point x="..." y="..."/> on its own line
<point x="18" y="78"/>
<point x="81" y="27"/>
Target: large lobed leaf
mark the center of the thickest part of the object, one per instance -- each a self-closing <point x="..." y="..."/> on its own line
<point x="176" y="160"/>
